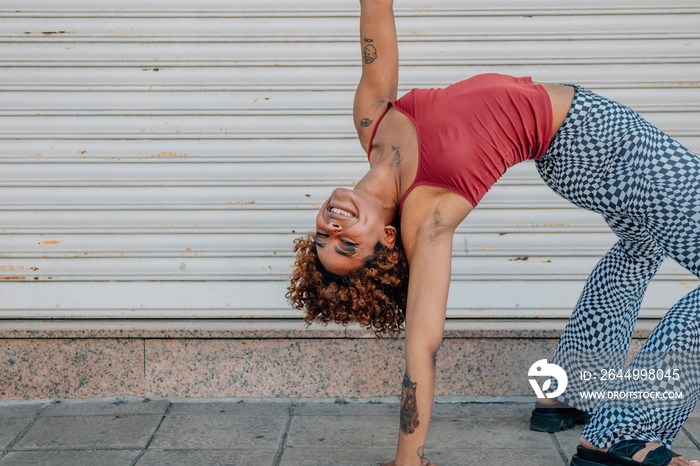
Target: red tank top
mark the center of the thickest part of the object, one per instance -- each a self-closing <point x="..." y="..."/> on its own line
<point x="470" y="132"/>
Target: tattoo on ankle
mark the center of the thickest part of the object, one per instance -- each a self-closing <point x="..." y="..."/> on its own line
<point x="397" y="156"/>
<point x="409" y="410"/>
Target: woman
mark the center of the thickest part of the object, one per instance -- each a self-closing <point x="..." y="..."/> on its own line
<point x="433" y="154"/>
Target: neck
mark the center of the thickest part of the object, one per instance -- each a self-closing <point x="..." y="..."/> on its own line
<point x="382" y="182"/>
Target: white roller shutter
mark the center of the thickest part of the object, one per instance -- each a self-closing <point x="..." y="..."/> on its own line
<point x="157" y="158"/>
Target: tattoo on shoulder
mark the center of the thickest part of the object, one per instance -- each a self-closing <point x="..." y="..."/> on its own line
<point x="369" y="53"/>
<point x="397" y="156"/>
<point x="365" y="122"/>
<point x="409" y="410"/>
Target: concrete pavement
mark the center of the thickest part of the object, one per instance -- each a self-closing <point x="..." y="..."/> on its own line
<point x="129" y="431"/>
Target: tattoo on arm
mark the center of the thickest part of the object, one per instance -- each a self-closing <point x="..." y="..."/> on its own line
<point x="365" y="122"/>
<point x="369" y="53"/>
<point x="409" y="410"/>
<point x="397" y="156"/>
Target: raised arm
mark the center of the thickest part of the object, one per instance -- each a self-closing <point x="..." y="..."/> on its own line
<point x="380" y="65"/>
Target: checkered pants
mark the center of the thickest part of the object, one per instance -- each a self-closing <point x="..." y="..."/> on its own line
<point x="607" y="159"/>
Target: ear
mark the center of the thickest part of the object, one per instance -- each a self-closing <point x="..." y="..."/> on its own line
<point x="389" y="239"/>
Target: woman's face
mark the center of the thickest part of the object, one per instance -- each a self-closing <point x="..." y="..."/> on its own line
<point x="348" y="227"/>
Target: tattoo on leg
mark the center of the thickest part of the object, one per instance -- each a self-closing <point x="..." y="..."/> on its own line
<point x="365" y="122"/>
<point x="369" y="53"/>
<point x="397" y="156"/>
<point x="420" y="452"/>
<point x="409" y="410"/>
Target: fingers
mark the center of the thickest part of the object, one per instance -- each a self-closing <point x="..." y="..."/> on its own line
<point x="682" y="461"/>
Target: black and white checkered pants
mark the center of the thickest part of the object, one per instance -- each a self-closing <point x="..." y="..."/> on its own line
<point x="607" y="159"/>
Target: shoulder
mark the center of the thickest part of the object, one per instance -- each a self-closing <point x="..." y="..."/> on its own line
<point x="367" y="119"/>
<point x="431" y="214"/>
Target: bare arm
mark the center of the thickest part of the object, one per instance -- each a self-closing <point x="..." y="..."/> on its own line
<point x="428" y="225"/>
<point x="425" y="321"/>
<point x="380" y="65"/>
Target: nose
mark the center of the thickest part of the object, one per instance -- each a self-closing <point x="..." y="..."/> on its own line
<point x="334" y="227"/>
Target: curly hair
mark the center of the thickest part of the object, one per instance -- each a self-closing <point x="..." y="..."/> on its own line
<point x="373" y="295"/>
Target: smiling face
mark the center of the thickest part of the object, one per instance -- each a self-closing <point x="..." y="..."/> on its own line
<point x="348" y="227"/>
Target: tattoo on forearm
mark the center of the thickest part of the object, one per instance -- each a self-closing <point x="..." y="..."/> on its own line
<point x="369" y="53"/>
<point x="397" y="156"/>
<point x="421" y="454"/>
<point x="409" y="410"/>
<point x="365" y="122"/>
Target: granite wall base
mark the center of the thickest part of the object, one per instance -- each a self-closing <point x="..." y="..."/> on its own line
<point x="83" y="363"/>
<point x="71" y="368"/>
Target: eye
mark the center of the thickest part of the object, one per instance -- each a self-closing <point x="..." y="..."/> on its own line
<point x="348" y="243"/>
<point x="321" y="235"/>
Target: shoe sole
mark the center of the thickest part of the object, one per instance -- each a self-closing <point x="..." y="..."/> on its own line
<point x="596" y="458"/>
<point x="546" y="422"/>
<point x="576" y="461"/>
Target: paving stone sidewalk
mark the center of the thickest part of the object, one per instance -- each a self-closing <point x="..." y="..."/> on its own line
<point x="148" y="432"/>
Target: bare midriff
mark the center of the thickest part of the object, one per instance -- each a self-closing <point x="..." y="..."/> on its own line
<point x="560" y="98"/>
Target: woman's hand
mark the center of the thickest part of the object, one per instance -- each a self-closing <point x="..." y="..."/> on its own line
<point x="423" y="462"/>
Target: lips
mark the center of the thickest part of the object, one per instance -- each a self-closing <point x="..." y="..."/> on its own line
<point x="341" y="211"/>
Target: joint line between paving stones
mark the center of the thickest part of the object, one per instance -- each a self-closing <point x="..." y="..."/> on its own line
<point x="557" y="445"/>
<point x="692" y="439"/>
<point x="283" y="441"/>
<point x="24" y="431"/>
<point x="155" y="431"/>
<point x="145" y="378"/>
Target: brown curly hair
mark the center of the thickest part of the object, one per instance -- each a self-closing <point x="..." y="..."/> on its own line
<point x="374" y="295"/>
